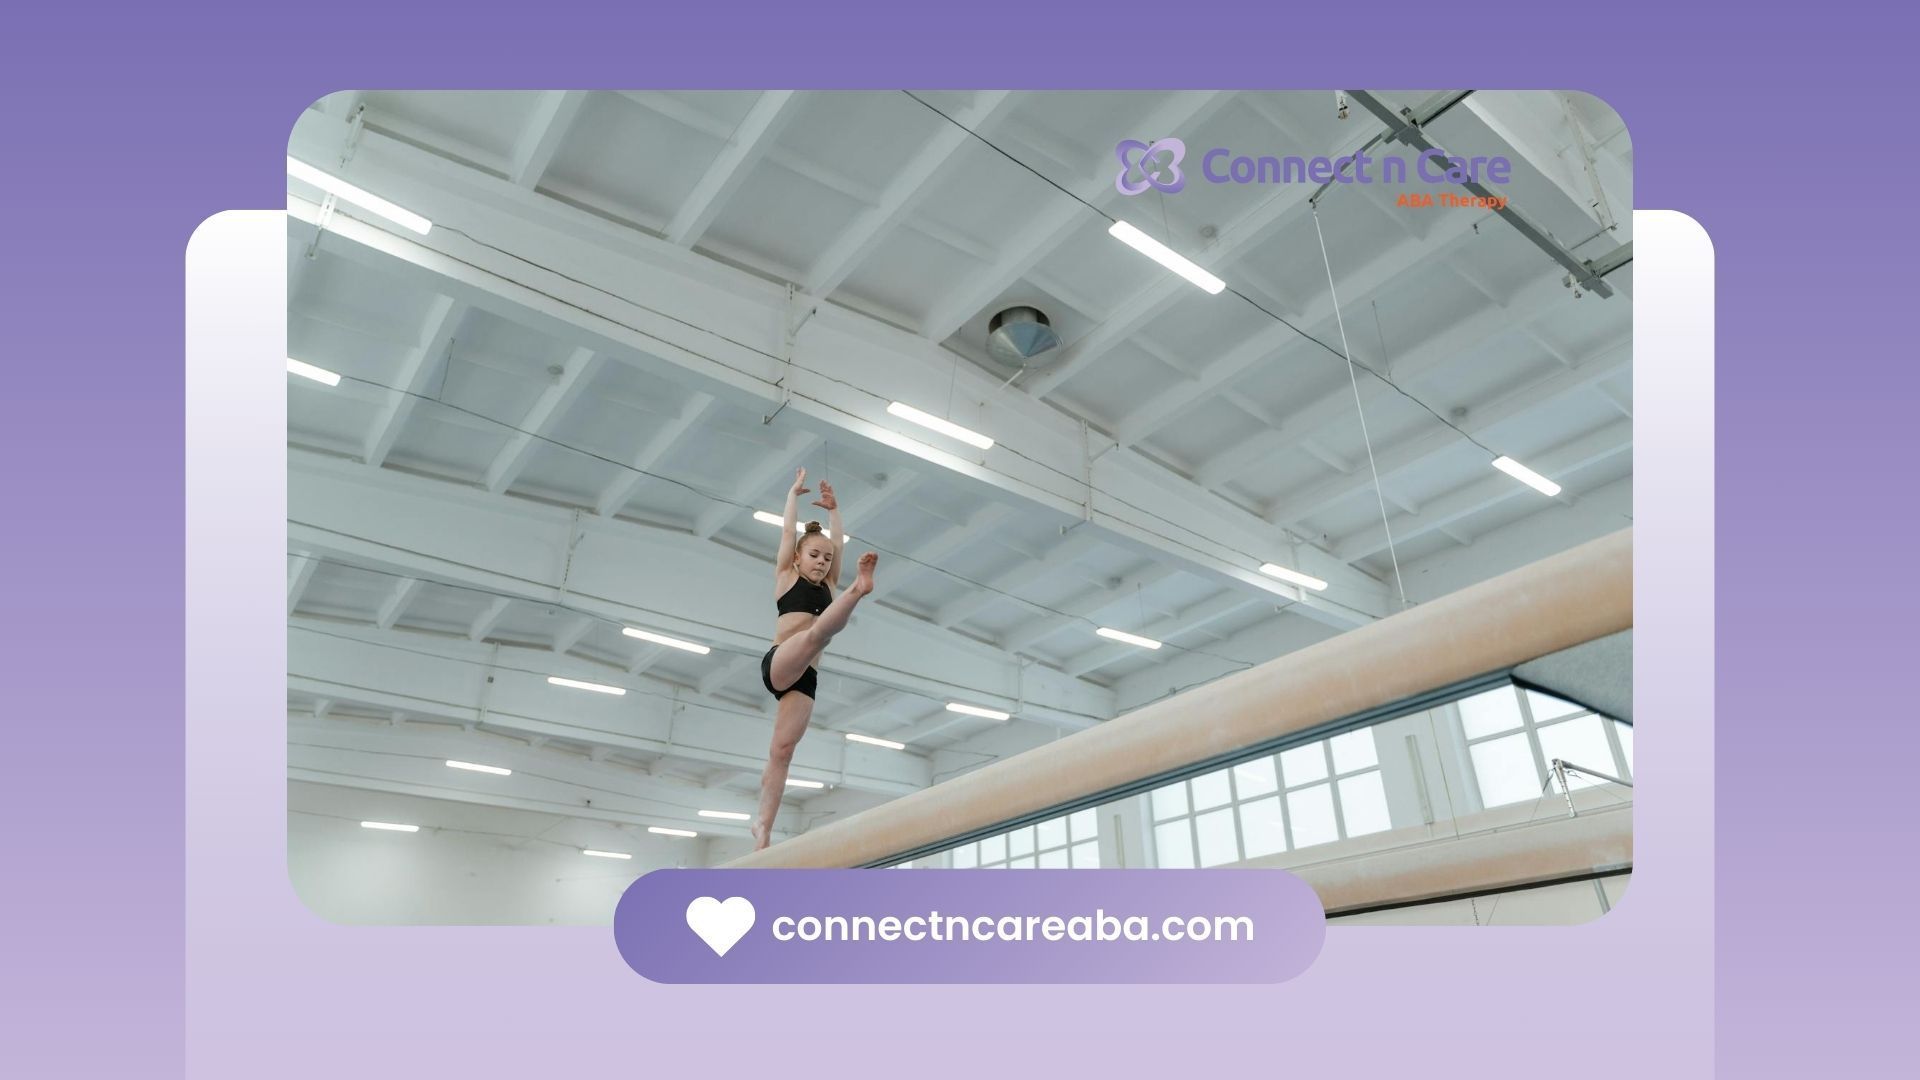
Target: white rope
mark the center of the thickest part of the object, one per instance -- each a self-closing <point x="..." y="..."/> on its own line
<point x="1353" y="377"/>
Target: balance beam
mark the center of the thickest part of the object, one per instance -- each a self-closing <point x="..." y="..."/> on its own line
<point x="1559" y="602"/>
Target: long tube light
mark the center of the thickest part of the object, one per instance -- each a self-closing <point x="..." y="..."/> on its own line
<point x="360" y="197"/>
<point x="1131" y="639"/>
<point x="1305" y="581"/>
<point x="669" y="642"/>
<point x="597" y="688"/>
<point x="853" y="736"/>
<point x="945" y="427"/>
<point x="309" y="371"/>
<point x="975" y="710"/>
<point x="1526" y="476"/>
<point x="1165" y="256"/>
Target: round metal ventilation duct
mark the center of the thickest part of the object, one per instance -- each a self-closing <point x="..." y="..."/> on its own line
<point x="1018" y="335"/>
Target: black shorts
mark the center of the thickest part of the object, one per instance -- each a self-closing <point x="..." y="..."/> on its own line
<point x="806" y="684"/>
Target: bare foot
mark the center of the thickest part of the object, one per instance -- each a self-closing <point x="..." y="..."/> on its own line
<point x="863" y="584"/>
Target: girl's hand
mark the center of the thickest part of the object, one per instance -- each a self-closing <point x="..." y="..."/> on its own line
<point x="826" y="501"/>
<point x="800" y="482"/>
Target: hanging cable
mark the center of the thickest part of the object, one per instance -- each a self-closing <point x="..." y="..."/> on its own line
<point x="1354" y="379"/>
<point x="718" y="497"/>
<point x="1248" y="299"/>
<point x="1234" y="663"/>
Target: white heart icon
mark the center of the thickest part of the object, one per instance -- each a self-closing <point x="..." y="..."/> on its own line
<point x="720" y="924"/>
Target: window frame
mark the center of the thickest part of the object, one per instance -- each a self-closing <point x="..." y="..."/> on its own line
<point x="1235" y="800"/>
<point x="1531" y="728"/>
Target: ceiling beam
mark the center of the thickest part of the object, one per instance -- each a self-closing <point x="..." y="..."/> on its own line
<point x="898" y="486"/>
<point x="910" y="185"/>
<point x="402" y="594"/>
<point x="719" y="329"/>
<point x="937" y="724"/>
<point x="553" y="403"/>
<point x="928" y="555"/>
<point x="552" y="118"/>
<point x="1492" y="490"/>
<point x="1079" y="611"/>
<point x="448" y="680"/>
<point x="1328" y="457"/>
<point x="1290" y="510"/>
<point x="1063" y="218"/>
<point x="862" y="715"/>
<point x="350" y="753"/>
<point x="1401" y="129"/>
<point x="724" y="673"/>
<point x="1016" y="580"/>
<point x="300" y="570"/>
<point x="1543" y="296"/>
<point x="1233" y="242"/>
<point x="570" y="635"/>
<point x="1185" y="621"/>
<point x="488" y="620"/>
<point x="1542" y="133"/>
<point x="645" y="657"/>
<point x="715" y="128"/>
<point x="416" y="375"/>
<point x="1257" y="643"/>
<point x="1554" y="528"/>
<point x="757" y="132"/>
<point x="1357" y="286"/>
<point x="620" y="491"/>
<point x="772" y="469"/>
<point x="1622" y="405"/>
<point x="700" y="591"/>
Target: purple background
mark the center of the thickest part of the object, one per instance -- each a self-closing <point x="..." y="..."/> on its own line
<point x="1287" y="921"/>
<point x="125" y="130"/>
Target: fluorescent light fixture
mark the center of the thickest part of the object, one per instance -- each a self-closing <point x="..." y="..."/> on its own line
<point x="1165" y="256"/>
<point x="605" y="854"/>
<point x="658" y="831"/>
<point x="471" y="767"/>
<point x="1525" y="475"/>
<point x="389" y="826"/>
<point x="360" y="197"/>
<point x="947" y="428"/>
<point x="662" y="639"/>
<point x="726" y="815"/>
<point x="1131" y="639"/>
<point x="1305" y="581"/>
<point x="975" y="710"/>
<point x="776" y="521"/>
<point x="791" y="782"/>
<point x="871" y="741"/>
<point x="597" y="688"/>
<point x="317" y="374"/>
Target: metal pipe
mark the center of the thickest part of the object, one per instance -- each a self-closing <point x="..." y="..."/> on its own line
<point x="1406" y="129"/>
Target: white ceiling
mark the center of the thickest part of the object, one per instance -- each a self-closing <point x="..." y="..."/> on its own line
<point x="554" y="419"/>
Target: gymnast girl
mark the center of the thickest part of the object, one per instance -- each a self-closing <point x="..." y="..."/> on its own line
<point x="805" y="574"/>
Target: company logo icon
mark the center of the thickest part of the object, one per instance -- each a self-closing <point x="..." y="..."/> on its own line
<point x="1153" y="165"/>
<point x="721" y="924"/>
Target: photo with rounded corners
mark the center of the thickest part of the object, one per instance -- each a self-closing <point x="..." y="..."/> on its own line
<point x="1044" y="480"/>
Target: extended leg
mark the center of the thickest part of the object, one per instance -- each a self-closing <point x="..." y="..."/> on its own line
<point x="802" y="650"/>
<point x="788" y="725"/>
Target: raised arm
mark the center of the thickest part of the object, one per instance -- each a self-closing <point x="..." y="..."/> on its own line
<point x="831" y="505"/>
<point x="787" y="533"/>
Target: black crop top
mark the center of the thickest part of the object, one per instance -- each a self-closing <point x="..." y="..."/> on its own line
<point x="804" y="596"/>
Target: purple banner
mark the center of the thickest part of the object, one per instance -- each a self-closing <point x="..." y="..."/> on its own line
<point x="969" y="926"/>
